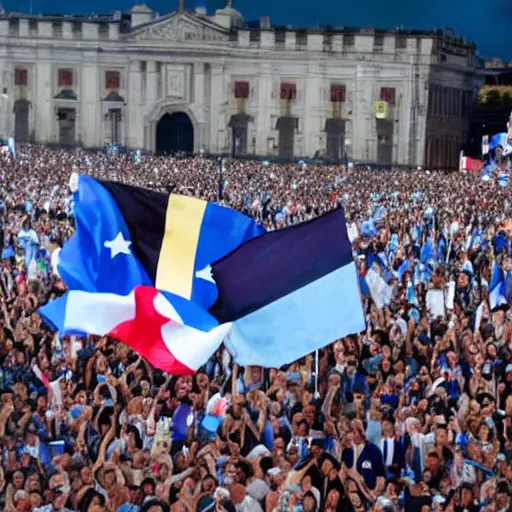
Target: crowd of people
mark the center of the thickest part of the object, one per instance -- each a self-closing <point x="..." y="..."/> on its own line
<point x="413" y="414"/>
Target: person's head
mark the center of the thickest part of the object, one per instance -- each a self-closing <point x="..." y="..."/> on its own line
<point x="309" y="503"/>
<point x="466" y="495"/>
<point x="86" y="475"/>
<point x="388" y="428"/>
<point x="36" y="499"/>
<point x="42" y="403"/>
<point x="93" y="501"/>
<point x="234" y="443"/>
<point x="183" y="386"/>
<point x="135" y="494"/>
<point x="18" y="479"/>
<point x="22" y="501"/>
<point x="160" y="506"/>
<point x="275" y="478"/>
<point x="442" y="435"/>
<point x="433" y="463"/>
<point x="358" y="432"/>
<point x="503" y="495"/>
<point x="109" y="476"/>
<point x="208" y="484"/>
<point x="244" y="472"/>
<point x="351" y="368"/>
<point x="148" y="487"/>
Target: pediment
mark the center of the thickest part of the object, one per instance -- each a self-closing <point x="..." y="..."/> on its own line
<point x="181" y="28"/>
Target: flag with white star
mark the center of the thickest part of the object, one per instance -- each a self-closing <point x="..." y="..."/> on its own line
<point x="128" y="236"/>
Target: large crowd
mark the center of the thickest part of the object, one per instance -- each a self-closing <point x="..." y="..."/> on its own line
<point x="414" y="414"/>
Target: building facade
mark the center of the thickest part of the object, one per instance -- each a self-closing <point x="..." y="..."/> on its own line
<point x="191" y="82"/>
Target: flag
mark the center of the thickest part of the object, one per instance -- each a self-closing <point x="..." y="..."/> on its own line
<point x="380" y="291"/>
<point x="411" y="294"/>
<point x="172" y="333"/>
<point x="128" y="236"/>
<point x="11" y="144"/>
<point x="503" y="180"/>
<point x="289" y="292"/>
<point x="497" y="288"/>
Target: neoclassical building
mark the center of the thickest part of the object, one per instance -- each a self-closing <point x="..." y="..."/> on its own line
<point x="192" y="82"/>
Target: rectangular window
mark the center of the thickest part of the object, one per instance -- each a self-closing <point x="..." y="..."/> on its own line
<point x="288" y="92"/>
<point x="280" y="36"/>
<point x="337" y="93"/>
<point x="20" y="77"/>
<point x="14" y="27"/>
<point x="378" y="40"/>
<point x="76" y="28"/>
<point x="112" y="80"/>
<point x="254" y="36"/>
<point x="387" y="94"/>
<point x="302" y="37"/>
<point x="400" y="42"/>
<point x="32" y="28"/>
<point x="348" y="40"/>
<point x="65" y="78"/>
<point x="103" y="30"/>
<point x="57" y="29"/>
<point x="241" y="90"/>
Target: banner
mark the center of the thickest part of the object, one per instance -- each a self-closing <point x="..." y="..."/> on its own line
<point x="471" y="165"/>
<point x="381" y="109"/>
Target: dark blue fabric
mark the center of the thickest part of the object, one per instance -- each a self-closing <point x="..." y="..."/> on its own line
<point x="276" y="264"/>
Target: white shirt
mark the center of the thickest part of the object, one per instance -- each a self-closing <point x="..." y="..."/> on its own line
<point x="390" y="441"/>
<point x="435" y="302"/>
<point x="54" y="260"/>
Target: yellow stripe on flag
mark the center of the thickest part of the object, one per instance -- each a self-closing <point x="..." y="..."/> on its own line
<point x="175" y="269"/>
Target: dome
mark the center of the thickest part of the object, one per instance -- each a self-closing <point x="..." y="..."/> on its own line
<point x="237" y="20"/>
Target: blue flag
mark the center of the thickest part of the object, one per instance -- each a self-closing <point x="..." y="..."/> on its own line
<point x="99" y="257"/>
<point x="497" y="288"/>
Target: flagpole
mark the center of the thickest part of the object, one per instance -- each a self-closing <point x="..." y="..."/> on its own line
<point x="316" y="374"/>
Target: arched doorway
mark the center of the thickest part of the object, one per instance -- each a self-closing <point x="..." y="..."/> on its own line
<point x="175" y="133"/>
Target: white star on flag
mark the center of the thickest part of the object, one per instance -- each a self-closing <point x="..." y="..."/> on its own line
<point x="118" y="246"/>
<point x="205" y="274"/>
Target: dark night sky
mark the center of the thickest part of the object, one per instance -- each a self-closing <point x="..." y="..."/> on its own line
<point x="486" y="23"/>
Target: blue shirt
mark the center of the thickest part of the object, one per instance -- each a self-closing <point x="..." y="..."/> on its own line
<point x="128" y="507"/>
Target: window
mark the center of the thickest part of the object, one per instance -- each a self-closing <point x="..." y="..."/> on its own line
<point x="112" y="80"/>
<point x="387" y="94"/>
<point x="400" y="42"/>
<point x="302" y="37"/>
<point x="65" y="78"/>
<point x="57" y="29"/>
<point x="77" y="29"/>
<point x="20" y="77"/>
<point x="103" y="30"/>
<point x="378" y="40"/>
<point x="32" y="28"/>
<point x="14" y="27"/>
<point x="254" y="36"/>
<point x="348" y="40"/>
<point x="280" y="36"/>
<point x="337" y="93"/>
<point x="288" y="92"/>
<point x="241" y="90"/>
<point x="327" y="42"/>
